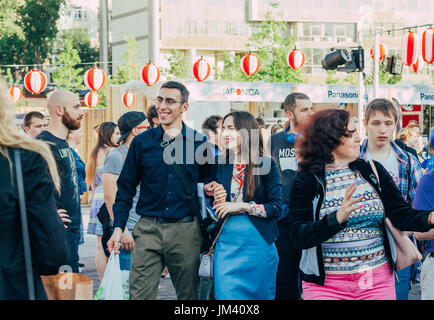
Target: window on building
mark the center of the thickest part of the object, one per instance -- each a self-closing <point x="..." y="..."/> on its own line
<point x="79" y="13"/>
<point x="412" y="5"/>
<point x="343" y="4"/>
<point x="317" y="4"/>
<point x="306" y="4"/>
<point x="316" y="30"/>
<point x="293" y="4"/>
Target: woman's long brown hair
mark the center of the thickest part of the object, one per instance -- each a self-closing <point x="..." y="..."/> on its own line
<point x="248" y="127"/>
<point x="105" y="132"/>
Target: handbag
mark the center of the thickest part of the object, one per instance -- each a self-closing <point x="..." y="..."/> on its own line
<point x="62" y="286"/>
<point x="206" y="267"/>
<point x="406" y="252"/>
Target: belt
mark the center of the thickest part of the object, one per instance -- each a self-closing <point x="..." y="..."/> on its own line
<point x="166" y="220"/>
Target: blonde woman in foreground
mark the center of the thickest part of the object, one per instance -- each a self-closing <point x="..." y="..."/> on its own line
<point x="46" y="230"/>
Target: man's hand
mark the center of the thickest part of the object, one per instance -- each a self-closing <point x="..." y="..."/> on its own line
<point x="127" y="241"/>
<point x="209" y="188"/>
<point x="115" y="241"/>
<point x="62" y="214"/>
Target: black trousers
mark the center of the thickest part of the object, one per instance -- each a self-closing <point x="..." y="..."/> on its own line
<point x="287" y="282"/>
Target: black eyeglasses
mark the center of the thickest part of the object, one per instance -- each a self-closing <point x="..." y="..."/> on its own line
<point x="169" y="101"/>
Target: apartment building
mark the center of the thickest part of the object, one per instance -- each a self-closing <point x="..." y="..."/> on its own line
<point x="207" y="27"/>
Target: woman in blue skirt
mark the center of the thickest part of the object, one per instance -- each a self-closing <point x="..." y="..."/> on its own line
<point x="245" y="254"/>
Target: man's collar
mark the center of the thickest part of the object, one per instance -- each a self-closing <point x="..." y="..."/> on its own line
<point x="402" y="156"/>
<point x="186" y="132"/>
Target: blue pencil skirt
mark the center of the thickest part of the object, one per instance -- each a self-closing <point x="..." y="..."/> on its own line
<point x="245" y="265"/>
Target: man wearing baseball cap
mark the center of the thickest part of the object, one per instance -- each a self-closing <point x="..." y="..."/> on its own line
<point x="130" y="125"/>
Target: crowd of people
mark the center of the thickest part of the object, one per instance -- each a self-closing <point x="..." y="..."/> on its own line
<point x="297" y="215"/>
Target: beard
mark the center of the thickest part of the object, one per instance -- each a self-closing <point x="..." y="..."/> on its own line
<point x="71" y="124"/>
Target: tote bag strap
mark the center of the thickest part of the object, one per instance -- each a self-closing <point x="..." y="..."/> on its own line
<point x="24" y="225"/>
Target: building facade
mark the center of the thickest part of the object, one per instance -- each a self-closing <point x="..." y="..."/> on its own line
<point x="207" y="28"/>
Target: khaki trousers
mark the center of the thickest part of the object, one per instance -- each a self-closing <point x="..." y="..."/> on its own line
<point x="176" y="245"/>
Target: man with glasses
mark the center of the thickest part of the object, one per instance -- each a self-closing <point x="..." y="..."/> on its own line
<point x="167" y="232"/>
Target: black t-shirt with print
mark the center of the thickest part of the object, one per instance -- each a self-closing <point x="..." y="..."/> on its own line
<point x="69" y="198"/>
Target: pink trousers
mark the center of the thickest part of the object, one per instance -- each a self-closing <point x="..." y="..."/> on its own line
<point x="375" y="284"/>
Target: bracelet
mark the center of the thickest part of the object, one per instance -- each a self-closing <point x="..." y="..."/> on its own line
<point x="430" y="218"/>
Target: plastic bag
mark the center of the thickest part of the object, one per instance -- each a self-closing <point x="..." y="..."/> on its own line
<point x="114" y="285"/>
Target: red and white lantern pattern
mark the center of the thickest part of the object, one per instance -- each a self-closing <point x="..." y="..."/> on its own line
<point x="201" y="70"/>
<point x="250" y="64"/>
<point x="383" y="52"/>
<point x="128" y="98"/>
<point x="91" y="99"/>
<point x="418" y="65"/>
<point x="150" y="74"/>
<point x="94" y="78"/>
<point x="35" y="81"/>
<point x="428" y="45"/>
<point x="409" y="48"/>
<point x="16" y="94"/>
<point x="295" y="59"/>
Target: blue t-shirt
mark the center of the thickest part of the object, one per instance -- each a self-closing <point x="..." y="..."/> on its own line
<point x="424" y="199"/>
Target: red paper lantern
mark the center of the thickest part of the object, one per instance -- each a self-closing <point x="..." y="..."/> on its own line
<point x="150" y="74"/>
<point x="428" y="45"/>
<point x="250" y="64"/>
<point x="91" y="99"/>
<point x="295" y="59"/>
<point x="409" y="48"/>
<point x="383" y="52"/>
<point x="16" y="94"/>
<point x="418" y="65"/>
<point x="128" y="98"/>
<point x="201" y="70"/>
<point x="94" y="78"/>
<point x="35" y="81"/>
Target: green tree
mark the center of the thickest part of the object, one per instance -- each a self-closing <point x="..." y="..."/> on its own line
<point x="129" y="69"/>
<point x="271" y="43"/>
<point x="9" y="19"/>
<point x="331" y="77"/>
<point x="68" y="75"/>
<point x="81" y="42"/>
<point x="178" y="65"/>
<point x="38" y="20"/>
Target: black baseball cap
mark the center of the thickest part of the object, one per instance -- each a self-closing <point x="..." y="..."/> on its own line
<point x="128" y="121"/>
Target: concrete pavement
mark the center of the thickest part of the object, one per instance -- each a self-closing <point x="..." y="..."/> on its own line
<point x="166" y="290"/>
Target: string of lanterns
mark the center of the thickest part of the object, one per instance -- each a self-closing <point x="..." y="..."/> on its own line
<point x="35" y="81"/>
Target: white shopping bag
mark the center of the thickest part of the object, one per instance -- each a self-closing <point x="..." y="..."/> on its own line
<point x="114" y="285"/>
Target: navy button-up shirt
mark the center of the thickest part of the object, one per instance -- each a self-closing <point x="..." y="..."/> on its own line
<point x="148" y="162"/>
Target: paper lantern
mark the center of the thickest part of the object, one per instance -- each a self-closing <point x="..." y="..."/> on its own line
<point x="94" y="78"/>
<point x="418" y="65"/>
<point x="16" y="94"/>
<point x="91" y="99"/>
<point x="201" y="70"/>
<point x="383" y="52"/>
<point x="150" y="74"/>
<point x="250" y="64"/>
<point x="428" y="45"/>
<point x="128" y="98"/>
<point x="295" y="59"/>
<point x="409" y="48"/>
<point x="35" y="81"/>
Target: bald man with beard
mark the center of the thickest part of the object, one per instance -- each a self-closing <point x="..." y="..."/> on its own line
<point x="65" y="115"/>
